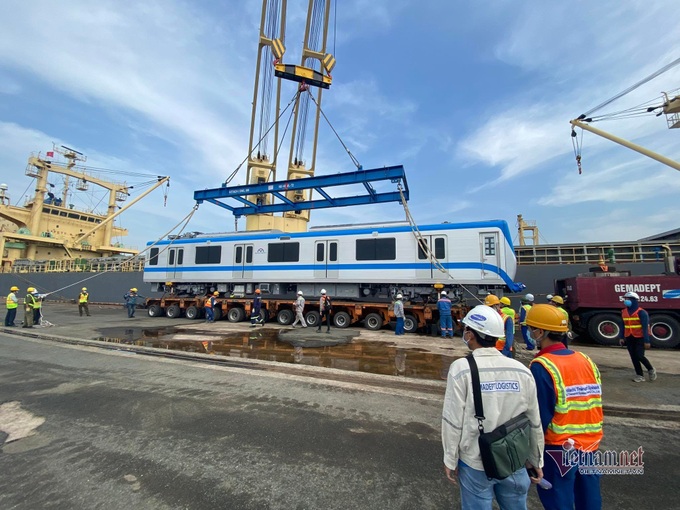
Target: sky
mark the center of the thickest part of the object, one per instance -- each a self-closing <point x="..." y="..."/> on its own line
<point x="473" y="98"/>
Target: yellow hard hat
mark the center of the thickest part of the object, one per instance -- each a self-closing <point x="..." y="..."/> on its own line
<point x="133" y="289"/>
<point x="30" y="289"/>
<point x="505" y="301"/>
<point x="84" y="288"/>
<point x="216" y="293"/>
<point x="548" y="318"/>
<point x="491" y="300"/>
<point x="14" y="288"/>
<point x="558" y="300"/>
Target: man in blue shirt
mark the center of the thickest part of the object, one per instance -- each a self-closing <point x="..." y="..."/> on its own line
<point x="635" y="335"/>
<point x="445" y="319"/>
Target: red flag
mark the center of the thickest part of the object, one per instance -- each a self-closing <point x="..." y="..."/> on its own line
<point x="50" y="154"/>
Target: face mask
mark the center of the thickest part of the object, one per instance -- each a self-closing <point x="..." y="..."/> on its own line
<point x="467" y="342"/>
<point x="533" y="338"/>
<point x="627" y="302"/>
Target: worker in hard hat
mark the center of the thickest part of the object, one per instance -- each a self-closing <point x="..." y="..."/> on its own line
<point x="399" y="314"/>
<point x="506" y="308"/>
<point x="299" y="306"/>
<point x="635" y="335"/>
<point x="37" y="306"/>
<point x="508" y="390"/>
<point x="131" y="298"/>
<point x="505" y="342"/>
<point x="445" y="318"/>
<point x="558" y="302"/>
<point x="325" y="309"/>
<point x="256" y="315"/>
<point x="525" y="305"/>
<point x="29" y="303"/>
<point x="209" y="306"/>
<point x="11" y="303"/>
<point x="569" y="392"/>
<point x="83" y="300"/>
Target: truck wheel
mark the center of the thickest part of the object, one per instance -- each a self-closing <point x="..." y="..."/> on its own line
<point x="285" y="317"/>
<point x="410" y="324"/>
<point x="218" y="314"/>
<point x="604" y="328"/>
<point x="665" y="331"/>
<point x="373" y="321"/>
<point x="155" y="311"/>
<point x="192" y="313"/>
<point x="313" y="318"/>
<point x="236" y="314"/>
<point x="173" y="311"/>
<point x="342" y="320"/>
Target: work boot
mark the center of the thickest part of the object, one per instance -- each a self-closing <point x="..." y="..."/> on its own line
<point x="328" y="331"/>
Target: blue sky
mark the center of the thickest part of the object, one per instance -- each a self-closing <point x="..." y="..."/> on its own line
<point x="472" y="98"/>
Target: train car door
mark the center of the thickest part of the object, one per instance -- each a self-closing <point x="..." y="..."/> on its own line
<point x="426" y="269"/>
<point x="243" y="261"/>
<point x="175" y="263"/>
<point x="326" y="259"/>
<point x="490" y="253"/>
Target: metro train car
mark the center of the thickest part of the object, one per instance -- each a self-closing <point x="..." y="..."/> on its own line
<point x="365" y="262"/>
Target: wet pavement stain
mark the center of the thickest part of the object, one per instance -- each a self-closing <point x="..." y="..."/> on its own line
<point x="340" y="349"/>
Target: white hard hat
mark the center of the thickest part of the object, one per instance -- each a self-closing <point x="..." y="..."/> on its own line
<point x="485" y="320"/>
<point x="529" y="297"/>
<point x="549" y="297"/>
<point x="399" y="296"/>
<point x="323" y="291"/>
<point x="443" y="293"/>
<point x="633" y="295"/>
<point x="299" y="293"/>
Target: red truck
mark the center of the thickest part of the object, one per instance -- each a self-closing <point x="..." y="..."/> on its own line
<point x="595" y="301"/>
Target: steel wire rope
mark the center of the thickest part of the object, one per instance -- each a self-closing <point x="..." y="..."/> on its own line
<point x="424" y="246"/>
<point x="233" y="174"/>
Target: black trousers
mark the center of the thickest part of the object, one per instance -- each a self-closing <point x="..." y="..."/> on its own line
<point x="327" y="315"/>
<point x="636" y="349"/>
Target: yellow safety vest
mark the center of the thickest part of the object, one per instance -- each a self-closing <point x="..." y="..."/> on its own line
<point x="12" y="301"/>
<point x="526" y="310"/>
<point x="29" y="301"/>
<point x="83" y="297"/>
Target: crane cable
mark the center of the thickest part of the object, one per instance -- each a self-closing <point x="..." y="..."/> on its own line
<point x="423" y="245"/>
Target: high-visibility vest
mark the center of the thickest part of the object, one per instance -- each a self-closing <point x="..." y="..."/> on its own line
<point x="510" y="313"/>
<point x="208" y="303"/>
<point x="29" y="301"/>
<point x="500" y="343"/>
<point x="83" y="297"/>
<point x="526" y="311"/>
<point x="578" y="408"/>
<point x="564" y="312"/>
<point x="12" y="301"/>
<point x="37" y="303"/>
<point x="631" y="324"/>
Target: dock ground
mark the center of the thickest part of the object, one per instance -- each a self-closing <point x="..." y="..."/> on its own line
<point x="125" y="426"/>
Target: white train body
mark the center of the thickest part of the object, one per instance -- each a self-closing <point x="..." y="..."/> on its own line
<point x="352" y="262"/>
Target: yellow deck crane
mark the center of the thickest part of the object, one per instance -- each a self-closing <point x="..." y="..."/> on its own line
<point x="264" y="146"/>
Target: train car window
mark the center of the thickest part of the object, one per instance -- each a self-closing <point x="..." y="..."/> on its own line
<point x="319" y="252"/>
<point x="439" y="248"/>
<point x="376" y="249"/>
<point x="153" y="257"/>
<point x="489" y="246"/>
<point x="333" y="252"/>
<point x="249" y="254"/>
<point x="238" y="258"/>
<point x="422" y="255"/>
<point x="283" y="252"/>
<point x="208" y="254"/>
<point x="171" y="258"/>
<point x="180" y="256"/>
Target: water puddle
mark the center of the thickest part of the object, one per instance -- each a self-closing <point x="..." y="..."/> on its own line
<point x="340" y="349"/>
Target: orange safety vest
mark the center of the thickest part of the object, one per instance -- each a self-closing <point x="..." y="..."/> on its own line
<point x="631" y="324"/>
<point x="578" y="409"/>
<point x="208" y="303"/>
<point x="500" y="343"/>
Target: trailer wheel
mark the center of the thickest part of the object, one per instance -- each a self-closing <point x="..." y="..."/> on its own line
<point x="665" y="331"/>
<point x="342" y="320"/>
<point x="173" y="311"/>
<point x="410" y="324"/>
<point x="155" y="311"/>
<point x="373" y="321"/>
<point x="236" y="314"/>
<point x="192" y="313"/>
<point x="218" y="313"/>
<point x="313" y="318"/>
<point x="285" y="317"/>
<point x="605" y="329"/>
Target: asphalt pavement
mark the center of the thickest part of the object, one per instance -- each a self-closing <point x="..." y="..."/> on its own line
<point x="125" y="427"/>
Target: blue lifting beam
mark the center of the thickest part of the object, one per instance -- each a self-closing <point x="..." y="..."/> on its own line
<point x="278" y="189"/>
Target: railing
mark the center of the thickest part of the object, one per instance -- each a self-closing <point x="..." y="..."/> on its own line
<point x="76" y="265"/>
<point x="593" y="253"/>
